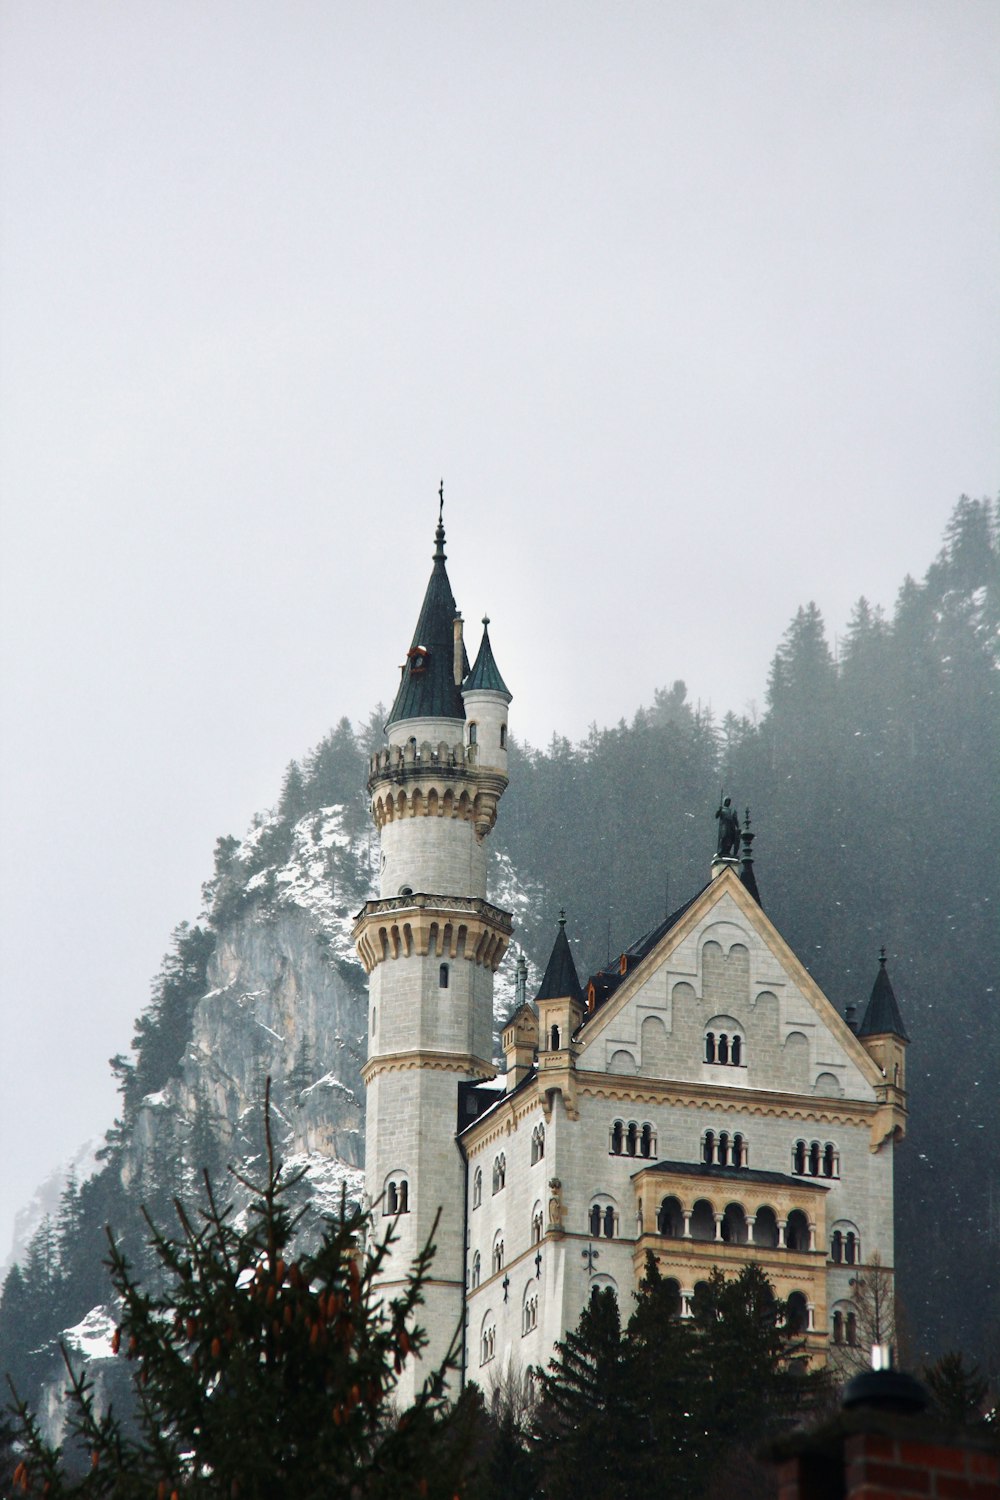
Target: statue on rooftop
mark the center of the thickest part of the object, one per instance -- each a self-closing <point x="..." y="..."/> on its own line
<point x="728" y="846"/>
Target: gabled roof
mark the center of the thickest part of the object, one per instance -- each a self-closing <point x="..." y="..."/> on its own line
<point x="560" y="977"/>
<point x="428" y="689"/>
<point x="486" y="673"/>
<point x="882" y="1017"/>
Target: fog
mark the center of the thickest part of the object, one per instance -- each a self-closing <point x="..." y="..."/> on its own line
<point x="693" y="307"/>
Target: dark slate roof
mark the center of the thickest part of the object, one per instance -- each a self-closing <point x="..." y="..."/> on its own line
<point x="606" y="981"/>
<point x="731" y="1174"/>
<point x="486" y="673"/>
<point x="560" y="978"/>
<point x="428" y="689"/>
<point x="882" y="1017"/>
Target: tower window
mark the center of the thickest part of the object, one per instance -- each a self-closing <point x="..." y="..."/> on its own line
<point x="554" y="1039"/>
<point x="443" y="977"/>
<point x="473" y="734"/>
<point x="503" y="736"/>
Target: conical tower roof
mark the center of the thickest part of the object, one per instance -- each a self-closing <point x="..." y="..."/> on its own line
<point x="882" y="1017"/>
<point x="486" y="674"/>
<point x="560" y="978"/>
<point x="428" y="689"/>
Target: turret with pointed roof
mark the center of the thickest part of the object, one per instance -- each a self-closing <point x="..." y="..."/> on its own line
<point x="486" y="701"/>
<point x="884" y="1038"/>
<point x="428" y="689"/>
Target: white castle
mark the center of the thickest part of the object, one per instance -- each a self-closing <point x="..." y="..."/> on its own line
<point x="700" y="1099"/>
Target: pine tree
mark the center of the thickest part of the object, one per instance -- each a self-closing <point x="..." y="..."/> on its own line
<point x="958" y="1389"/>
<point x="259" y="1371"/>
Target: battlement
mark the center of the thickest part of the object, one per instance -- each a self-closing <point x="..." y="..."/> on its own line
<point x="414" y="758"/>
<point x="446" y="926"/>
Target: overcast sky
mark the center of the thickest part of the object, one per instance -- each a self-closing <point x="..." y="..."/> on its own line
<point x="693" y="306"/>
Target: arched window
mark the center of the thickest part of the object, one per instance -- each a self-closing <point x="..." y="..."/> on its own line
<point x="814" y="1159"/>
<point x="537" y="1143"/>
<point x="723" y="1048"/>
<point x="609" y="1223"/>
<point x="736" y="1052"/>
<point x="443" y="977"/>
<point x="831" y="1160"/>
<point x="851" y="1248"/>
<point x="703" y="1220"/>
<point x="708" y="1148"/>
<point x="404" y="1196"/>
<point x="554" y="1039"/>
<point x="647" y="1141"/>
<point x="724" y="1149"/>
<point x="838" y="1327"/>
<point x="631" y="1137"/>
<point x="536" y="1227"/>
<point x="617" y="1138"/>
<point x="473" y="733"/>
<point x="670" y="1219"/>
<point x="852" y="1329"/>
<point x="765" y="1229"/>
<point x="796" y="1313"/>
<point x="741" y="1154"/>
<point x="797" y="1231"/>
<point x="488" y="1340"/>
<point x="595" y="1220"/>
<point x="710" y="1047"/>
<point x="499" y="1172"/>
<point x="498" y="1254"/>
<point x="477" y="1269"/>
<point x="477" y="1187"/>
<point x="799" y="1158"/>
<point x="672" y="1297"/>
<point x="529" y="1309"/>
<point x="392" y="1199"/>
<point x="503" y="736"/>
<point x="837" y="1248"/>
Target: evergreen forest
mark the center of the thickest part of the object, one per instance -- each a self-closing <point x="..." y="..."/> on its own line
<point x="872" y="781"/>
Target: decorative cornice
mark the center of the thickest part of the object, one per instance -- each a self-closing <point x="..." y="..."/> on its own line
<point x="761" y="1102"/>
<point x="437" y="1062"/>
<point x="454" y="926"/>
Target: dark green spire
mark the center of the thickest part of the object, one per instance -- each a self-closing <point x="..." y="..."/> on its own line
<point x="882" y="1017"/>
<point x="560" y="978"/>
<point x="486" y="673"/>
<point x="428" y="689"/>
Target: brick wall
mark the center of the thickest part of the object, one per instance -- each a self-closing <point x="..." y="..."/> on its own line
<point x="883" y="1466"/>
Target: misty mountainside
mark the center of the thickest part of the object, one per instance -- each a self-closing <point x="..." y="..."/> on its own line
<point x="872" y="779"/>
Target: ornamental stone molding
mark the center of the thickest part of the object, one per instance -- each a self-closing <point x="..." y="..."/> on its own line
<point x="448" y="926"/>
<point x="437" y="1062"/>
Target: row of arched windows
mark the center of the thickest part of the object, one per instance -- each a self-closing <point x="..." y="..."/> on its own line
<point x="488" y="1344"/>
<point x="845" y="1247"/>
<point x="724" y="1150"/>
<point x="529" y="1313"/>
<point x="811" y="1159"/>
<point x="845" y="1327"/>
<point x="721" y="1047"/>
<point x="632" y="1139"/>
<point x="733" y="1226"/>
<point x="680" y="1304"/>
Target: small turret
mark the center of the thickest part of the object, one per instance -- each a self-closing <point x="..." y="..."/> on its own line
<point x="520" y="1044"/>
<point x="428" y="704"/>
<point x="486" y="700"/>
<point x="559" y="1000"/>
<point x="882" y="1033"/>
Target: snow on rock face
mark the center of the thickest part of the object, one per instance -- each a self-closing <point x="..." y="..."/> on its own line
<point x="91" y="1337"/>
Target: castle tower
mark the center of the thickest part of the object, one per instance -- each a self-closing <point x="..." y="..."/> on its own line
<point x="431" y="943"/>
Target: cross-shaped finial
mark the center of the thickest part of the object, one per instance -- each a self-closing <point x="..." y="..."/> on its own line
<point x="562" y="916"/>
<point x="881" y="954"/>
<point x="441" y="503"/>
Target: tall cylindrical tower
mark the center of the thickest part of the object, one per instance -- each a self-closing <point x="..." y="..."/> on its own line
<point x="431" y="943"/>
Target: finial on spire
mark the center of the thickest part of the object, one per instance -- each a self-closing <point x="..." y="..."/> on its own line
<point x="486" y="621"/>
<point x="562" y="916"/>
<point x="881" y="955"/>
<point x="439" y="534"/>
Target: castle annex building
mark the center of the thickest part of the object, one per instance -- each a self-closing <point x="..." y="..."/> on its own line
<point x="700" y="1099"/>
